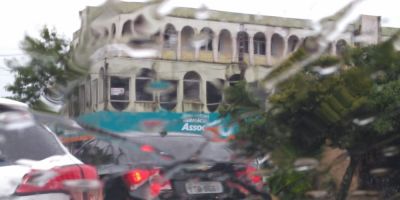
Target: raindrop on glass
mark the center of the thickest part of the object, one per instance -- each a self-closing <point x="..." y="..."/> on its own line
<point x="41" y="178"/>
<point x="317" y="194"/>
<point x="152" y="125"/>
<point x="390" y="151"/>
<point x="200" y="40"/>
<point x="363" y="122"/>
<point x="324" y="71"/>
<point x="159" y="86"/>
<point x="379" y="171"/>
<point x="305" y="164"/>
<point x="202" y="13"/>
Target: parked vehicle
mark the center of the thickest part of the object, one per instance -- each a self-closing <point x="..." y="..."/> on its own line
<point x="33" y="163"/>
<point x="172" y="166"/>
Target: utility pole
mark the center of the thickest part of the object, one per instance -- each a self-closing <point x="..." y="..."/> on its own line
<point x="105" y="84"/>
<point x="242" y="45"/>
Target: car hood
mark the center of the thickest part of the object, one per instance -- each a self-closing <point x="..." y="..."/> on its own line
<point x="11" y="175"/>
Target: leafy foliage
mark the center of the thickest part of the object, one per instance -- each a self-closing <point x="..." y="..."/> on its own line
<point x="355" y="108"/>
<point x="48" y="59"/>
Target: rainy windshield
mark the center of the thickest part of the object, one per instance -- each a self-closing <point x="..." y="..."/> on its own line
<point x="238" y="100"/>
<point x="34" y="143"/>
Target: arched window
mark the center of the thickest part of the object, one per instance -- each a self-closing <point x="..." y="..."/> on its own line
<point x="341" y="46"/>
<point x="277" y="45"/>
<point x="259" y="44"/>
<point x="225" y="42"/>
<point x="293" y="43"/>
<point x="191" y="86"/>
<point x="144" y="78"/>
<point x="139" y="25"/>
<point x="234" y="79"/>
<point x="119" y="92"/>
<point x="243" y="42"/>
<point x="208" y="34"/>
<point x="127" y="27"/>
<point x="168" y="99"/>
<point x="170" y="37"/>
<point x="186" y="38"/>
<point x="214" y="94"/>
<point x="113" y="30"/>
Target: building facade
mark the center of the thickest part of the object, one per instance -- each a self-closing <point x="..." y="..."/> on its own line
<point x="196" y="57"/>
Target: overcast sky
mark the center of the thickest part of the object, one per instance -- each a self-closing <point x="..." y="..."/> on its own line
<point x="19" y="17"/>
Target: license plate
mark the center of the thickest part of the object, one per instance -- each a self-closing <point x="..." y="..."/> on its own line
<point x="209" y="187"/>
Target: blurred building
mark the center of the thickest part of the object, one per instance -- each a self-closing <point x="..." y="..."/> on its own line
<point x="196" y="52"/>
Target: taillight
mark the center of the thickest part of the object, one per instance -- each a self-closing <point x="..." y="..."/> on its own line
<point x="251" y="174"/>
<point x="52" y="180"/>
<point x="137" y="177"/>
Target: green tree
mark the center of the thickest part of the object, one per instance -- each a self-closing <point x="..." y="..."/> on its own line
<point x="355" y="109"/>
<point x="45" y="70"/>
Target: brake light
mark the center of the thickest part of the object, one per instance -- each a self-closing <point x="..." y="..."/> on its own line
<point x="147" y="148"/>
<point x="250" y="174"/>
<point x="137" y="176"/>
<point x="52" y="180"/>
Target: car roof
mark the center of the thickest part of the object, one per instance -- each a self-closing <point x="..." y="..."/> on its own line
<point x="13" y="104"/>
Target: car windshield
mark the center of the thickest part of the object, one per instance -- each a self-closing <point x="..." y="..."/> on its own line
<point x="307" y="89"/>
<point x="34" y="143"/>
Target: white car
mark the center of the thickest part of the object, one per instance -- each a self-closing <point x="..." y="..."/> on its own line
<point x="33" y="162"/>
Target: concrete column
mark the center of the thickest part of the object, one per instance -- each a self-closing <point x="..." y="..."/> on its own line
<point x="234" y="49"/>
<point x="285" y="47"/>
<point x="161" y="45"/>
<point x="179" y="97"/>
<point x="196" y="53"/>
<point x="215" y="47"/>
<point x="178" y="45"/>
<point x="251" y="50"/>
<point x="268" y="48"/>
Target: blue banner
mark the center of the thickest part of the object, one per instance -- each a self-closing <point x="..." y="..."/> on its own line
<point x="188" y="122"/>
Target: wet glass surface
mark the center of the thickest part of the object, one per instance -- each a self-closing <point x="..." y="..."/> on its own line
<point x="156" y="101"/>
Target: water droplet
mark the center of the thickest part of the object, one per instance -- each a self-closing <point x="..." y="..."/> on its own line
<point x="82" y="185"/>
<point x="124" y="50"/>
<point x="200" y="40"/>
<point x="317" y="194"/>
<point x="202" y="13"/>
<point x="379" y="171"/>
<point x="363" y="122"/>
<point x="41" y="178"/>
<point x="390" y="151"/>
<point x="305" y="164"/>
<point x="152" y="125"/>
<point x="166" y="7"/>
<point x="159" y="86"/>
<point x="324" y="71"/>
<point x="16" y="120"/>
